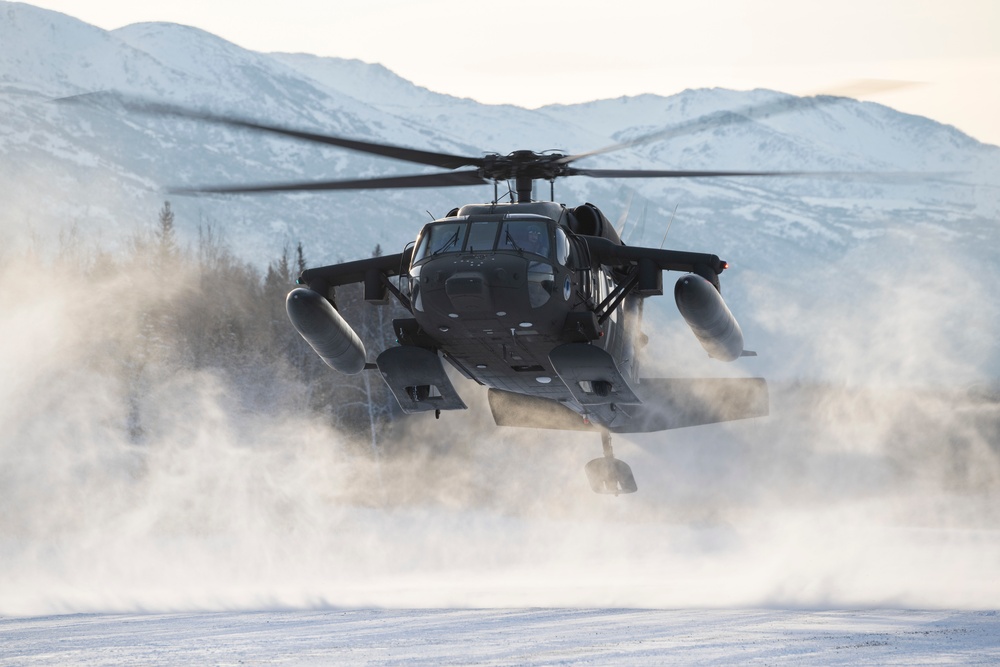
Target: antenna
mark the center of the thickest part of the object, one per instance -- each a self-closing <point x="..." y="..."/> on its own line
<point x="668" y="226"/>
<point x="623" y="219"/>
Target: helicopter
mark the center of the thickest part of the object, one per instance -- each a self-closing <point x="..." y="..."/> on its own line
<point x="539" y="302"/>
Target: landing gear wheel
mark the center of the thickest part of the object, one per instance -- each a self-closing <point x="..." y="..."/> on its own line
<point x="609" y="475"/>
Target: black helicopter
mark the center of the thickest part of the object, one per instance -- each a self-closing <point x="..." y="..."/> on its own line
<point x="538" y="301"/>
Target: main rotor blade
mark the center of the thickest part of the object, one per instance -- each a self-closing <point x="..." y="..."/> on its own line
<point x="881" y="176"/>
<point x="712" y="121"/>
<point x="661" y="173"/>
<point x="447" y="179"/>
<point x="443" y="160"/>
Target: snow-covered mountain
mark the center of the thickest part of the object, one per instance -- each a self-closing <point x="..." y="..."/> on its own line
<point x="899" y="259"/>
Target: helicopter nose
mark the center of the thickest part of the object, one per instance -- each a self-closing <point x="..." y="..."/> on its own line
<point x="469" y="292"/>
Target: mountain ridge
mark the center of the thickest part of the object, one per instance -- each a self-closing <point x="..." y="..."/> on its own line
<point x="106" y="172"/>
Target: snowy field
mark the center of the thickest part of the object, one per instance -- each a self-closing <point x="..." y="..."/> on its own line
<point x="744" y="545"/>
<point x="175" y="489"/>
<point x="507" y="636"/>
<point x="855" y="524"/>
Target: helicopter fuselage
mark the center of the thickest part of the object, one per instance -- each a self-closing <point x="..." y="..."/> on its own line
<point x="539" y="302"/>
<point x="499" y="287"/>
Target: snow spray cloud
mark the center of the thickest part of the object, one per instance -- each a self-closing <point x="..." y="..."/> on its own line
<point x="214" y="500"/>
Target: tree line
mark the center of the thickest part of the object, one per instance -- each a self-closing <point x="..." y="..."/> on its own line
<point x="202" y="308"/>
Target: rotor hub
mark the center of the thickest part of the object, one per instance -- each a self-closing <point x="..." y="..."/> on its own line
<point x="523" y="167"/>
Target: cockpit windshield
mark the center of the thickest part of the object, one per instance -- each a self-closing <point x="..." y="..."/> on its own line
<point x="523" y="235"/>
<point x="439" y="238"/>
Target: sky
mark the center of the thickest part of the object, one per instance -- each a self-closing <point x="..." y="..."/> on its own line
<point x="937" y="58"/>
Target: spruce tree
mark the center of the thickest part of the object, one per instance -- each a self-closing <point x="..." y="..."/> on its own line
<point x="167" y="251"/>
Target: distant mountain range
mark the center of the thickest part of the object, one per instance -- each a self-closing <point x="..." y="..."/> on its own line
<point x="887" y="276"/>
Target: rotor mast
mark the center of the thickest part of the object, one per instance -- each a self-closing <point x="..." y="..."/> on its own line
<point x="525" y="167"/>
<point x="523" y="183"/>
<point x="520" y="165"/>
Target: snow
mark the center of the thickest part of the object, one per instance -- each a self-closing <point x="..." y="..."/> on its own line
<point x="845" y="534"/>
<point x="867" y="535"/>
<point x="507" y="637"/>
<point x="40" y="58"/>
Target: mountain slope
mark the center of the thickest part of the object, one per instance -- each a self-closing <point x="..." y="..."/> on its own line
<point x="900" y="234"/>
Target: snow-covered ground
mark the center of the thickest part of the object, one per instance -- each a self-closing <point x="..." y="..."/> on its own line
<point x="226" y="535"/>
<point x="507" y="637"/>
<point x="216" y="556"/>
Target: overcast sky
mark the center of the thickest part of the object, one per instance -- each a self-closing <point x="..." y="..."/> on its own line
<point x="536" y="52"/>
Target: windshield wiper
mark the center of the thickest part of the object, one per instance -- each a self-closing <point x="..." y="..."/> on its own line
<point x="451" y="241"/>
<point x="510" y="240"/>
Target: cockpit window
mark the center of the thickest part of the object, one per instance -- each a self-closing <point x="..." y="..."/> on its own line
<point x="519" y="235"/>
<point x="562" y="247"/>
<point x="482" y="236"/>
<point x="437" y="239"/>
<point x="525" y="236"/>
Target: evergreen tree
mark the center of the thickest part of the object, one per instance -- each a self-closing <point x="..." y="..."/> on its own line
<point x="165" y="237"/>
<point x="300" y="258"/>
